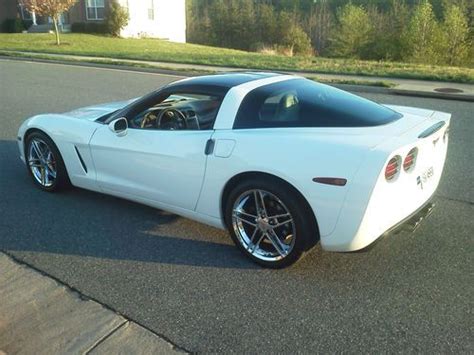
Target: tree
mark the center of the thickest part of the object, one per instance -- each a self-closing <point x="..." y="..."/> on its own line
<point x="266" y="25"/>
<point x="318" y="24"/>
<point x="51" y="8"/>
<point x="352" y="33"/>
<point x="198" y="22"/>
<point x="291" y="36"/>
<point x="387" y="27"/>
<point x="455" y="30"/>
<point x="424" y="31"/>
<point x="232" y="23"/>
<point x="117" y="18"/>
<point x="422" y="36"/>
<point x="398" y="17"/>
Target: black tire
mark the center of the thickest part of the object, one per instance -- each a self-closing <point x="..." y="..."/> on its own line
<point x="61" y="181"/>
<point x="305" y="226"/>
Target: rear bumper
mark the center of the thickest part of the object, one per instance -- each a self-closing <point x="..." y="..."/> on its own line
<point x="412" y="222"/>
<point x="367" y="214"/>
<point x="374" y="225"/>
<point x="408" y="225"/>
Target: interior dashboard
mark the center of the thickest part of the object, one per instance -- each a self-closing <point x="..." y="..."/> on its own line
<point x="178" y="113"/>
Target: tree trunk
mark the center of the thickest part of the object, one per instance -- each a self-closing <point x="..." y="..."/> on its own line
<point x="56" y="30"/>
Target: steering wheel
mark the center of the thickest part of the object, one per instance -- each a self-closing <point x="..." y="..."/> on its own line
<point x="172" y="119"/>
<point x="148" y="118"/>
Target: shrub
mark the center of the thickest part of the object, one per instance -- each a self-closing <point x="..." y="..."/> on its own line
<point x="291" y="38"/>
<point x="298" y="41"/>
<point x="78" y="27"/>
<point x="27" y="24"/>
<point x="267" y="50"/>
<point x="117" y="18"/>
<point x="89" y="27"/>
<point x="287" y="51"/>
<point x="13" y="25"/>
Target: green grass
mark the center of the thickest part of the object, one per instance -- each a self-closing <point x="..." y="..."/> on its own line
<point x="379" y="83"/>
<point x="158" y="50"/>
<point x="119" y="63"/>
<point x="108" y="62"/>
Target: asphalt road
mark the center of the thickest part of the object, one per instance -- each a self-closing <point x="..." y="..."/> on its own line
<point x="184" y="280"/>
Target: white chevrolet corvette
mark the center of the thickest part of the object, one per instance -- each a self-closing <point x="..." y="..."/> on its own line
<point x="280" y="161"/>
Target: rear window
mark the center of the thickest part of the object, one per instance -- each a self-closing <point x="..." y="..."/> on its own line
<point x="305" y="103"/>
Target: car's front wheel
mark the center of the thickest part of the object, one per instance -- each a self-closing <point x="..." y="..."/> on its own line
<point x="269" y="222"/>
<point x="44" y="162"/>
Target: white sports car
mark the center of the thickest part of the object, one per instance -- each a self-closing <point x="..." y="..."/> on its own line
<point x="280" y="161"/>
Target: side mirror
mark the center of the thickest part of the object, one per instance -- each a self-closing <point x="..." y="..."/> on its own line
<point x="119" y="126"/>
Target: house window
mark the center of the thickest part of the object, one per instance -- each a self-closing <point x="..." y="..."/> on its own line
<point x="151" y="10"/>
<point x="95" y="9"/>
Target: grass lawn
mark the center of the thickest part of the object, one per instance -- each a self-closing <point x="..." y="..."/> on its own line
<point x="158" y="50"/>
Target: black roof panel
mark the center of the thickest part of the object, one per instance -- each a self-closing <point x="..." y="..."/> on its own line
<point x="225" y="80"/>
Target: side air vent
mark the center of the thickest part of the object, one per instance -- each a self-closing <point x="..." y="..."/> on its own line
<point x="80" y="159"/>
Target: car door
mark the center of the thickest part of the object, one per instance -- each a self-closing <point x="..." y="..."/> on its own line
<point x="166" y="166"/>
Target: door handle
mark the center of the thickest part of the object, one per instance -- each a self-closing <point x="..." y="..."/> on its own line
<point x="209" y="146"/>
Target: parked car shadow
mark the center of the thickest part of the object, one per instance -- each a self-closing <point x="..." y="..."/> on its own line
<point x="83" y="223"/>
<point x="80" y="222"/>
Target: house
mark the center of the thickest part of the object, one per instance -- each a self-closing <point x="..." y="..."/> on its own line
<point x="156" y="18"/>
<point x="164" y="19"/>
<point x="8" y="10"/>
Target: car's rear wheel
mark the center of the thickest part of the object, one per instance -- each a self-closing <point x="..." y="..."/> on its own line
<point x="269" y="222"/>
<point x="44" y="162"/>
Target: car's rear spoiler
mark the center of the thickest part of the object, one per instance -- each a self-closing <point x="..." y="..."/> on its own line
<point x="432" y="129"/>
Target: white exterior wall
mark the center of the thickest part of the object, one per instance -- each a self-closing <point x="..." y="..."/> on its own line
<point x="169" y="19"/>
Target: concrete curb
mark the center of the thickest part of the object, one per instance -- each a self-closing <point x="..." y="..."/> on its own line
<point x="433" y="95"/>
<point x="39" y="314"/>
<point x="104" y="66"/>
<point x="201" y="70"/>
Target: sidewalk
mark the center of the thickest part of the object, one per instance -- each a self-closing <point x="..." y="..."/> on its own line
<point x="41" y="316"/>
<point x="408" y="87"/>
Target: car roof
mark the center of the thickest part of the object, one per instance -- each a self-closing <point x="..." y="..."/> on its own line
<point x="218" y="83"/>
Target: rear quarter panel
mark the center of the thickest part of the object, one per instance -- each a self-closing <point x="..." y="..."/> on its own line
<point x="374" y="204"/>
<point x="296" y="155"/>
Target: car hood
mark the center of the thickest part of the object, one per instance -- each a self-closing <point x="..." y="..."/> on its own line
<point x="92" y="113"/>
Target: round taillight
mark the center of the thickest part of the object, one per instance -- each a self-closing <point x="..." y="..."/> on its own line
<point x="410" y="160"/>
<point x="393" y="167"/>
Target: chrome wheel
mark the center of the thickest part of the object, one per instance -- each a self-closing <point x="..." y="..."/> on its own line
<point x="263" y="225"/>
<point x="41" y="162"/>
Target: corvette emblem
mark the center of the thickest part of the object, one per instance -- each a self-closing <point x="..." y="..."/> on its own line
<point x="424" y="177"/>
<point x="419" y="182"/>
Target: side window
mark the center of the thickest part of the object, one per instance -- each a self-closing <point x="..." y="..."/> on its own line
<point x="178" y="111"/>
<point x="282" y="107"/>
<point x="265" y="108"/>
<point x="304" y="103"/>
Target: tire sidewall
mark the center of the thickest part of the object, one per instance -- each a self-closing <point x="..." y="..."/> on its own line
<point x="304" y="231"/>
<point x="62" y="179"/>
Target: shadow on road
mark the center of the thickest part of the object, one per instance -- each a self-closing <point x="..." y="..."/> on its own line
<point x="80" y="222"/>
